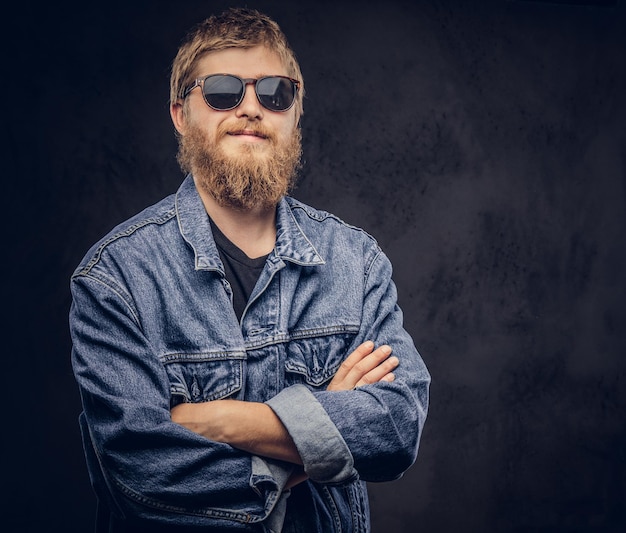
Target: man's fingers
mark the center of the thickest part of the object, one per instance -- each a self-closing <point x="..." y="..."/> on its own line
<point x="382" y="372"/>
<point x="363" y="366"/>
<point x="357" y="355"/>
<point x="371" y="361"/>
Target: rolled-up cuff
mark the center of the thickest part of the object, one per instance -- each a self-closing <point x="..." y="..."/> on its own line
<point x="324" y="452"/>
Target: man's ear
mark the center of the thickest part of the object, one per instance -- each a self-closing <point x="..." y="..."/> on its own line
<point x="178" y="117"/>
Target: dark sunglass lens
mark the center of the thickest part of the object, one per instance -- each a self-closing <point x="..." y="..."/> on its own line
<point x="223" y="92"/>
<point x="276" y="94"/>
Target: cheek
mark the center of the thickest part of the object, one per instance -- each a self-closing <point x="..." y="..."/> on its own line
<point x="206" y="120"/>
<point x="211" y="130"/>
<point x="287" y="128"/>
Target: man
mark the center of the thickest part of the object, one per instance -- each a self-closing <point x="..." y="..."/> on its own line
<point x="232" y="345"/>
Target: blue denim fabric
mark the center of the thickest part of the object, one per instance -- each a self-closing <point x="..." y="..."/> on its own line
<point x="152" y="325"/>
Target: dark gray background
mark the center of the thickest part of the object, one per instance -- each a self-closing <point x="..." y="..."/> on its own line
<point x="482" y="143"/>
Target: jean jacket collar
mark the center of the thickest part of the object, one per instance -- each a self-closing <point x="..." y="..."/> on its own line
<point x="292" y="244"/>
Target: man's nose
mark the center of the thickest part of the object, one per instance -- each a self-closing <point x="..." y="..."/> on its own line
<point x="250" y="107"/>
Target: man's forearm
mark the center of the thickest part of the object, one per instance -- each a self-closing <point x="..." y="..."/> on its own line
<point x="254" y="427"/>
<point x="249" y="426"/>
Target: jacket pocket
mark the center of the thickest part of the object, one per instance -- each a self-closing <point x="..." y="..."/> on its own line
<point x="315" y="360"/>
<point x="202" y="377"/>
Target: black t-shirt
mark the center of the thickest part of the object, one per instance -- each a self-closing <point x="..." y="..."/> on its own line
<point x="242" y="272"/>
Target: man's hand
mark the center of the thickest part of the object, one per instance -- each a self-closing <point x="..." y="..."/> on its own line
<point x="365" y="366"/>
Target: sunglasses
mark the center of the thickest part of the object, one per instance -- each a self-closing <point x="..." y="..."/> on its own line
<point x="224" y="92"/>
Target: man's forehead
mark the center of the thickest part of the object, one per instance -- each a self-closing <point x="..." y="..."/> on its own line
<point x="245" y="62"/>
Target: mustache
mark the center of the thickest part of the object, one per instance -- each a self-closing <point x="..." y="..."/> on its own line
<point x="240" y="126"/>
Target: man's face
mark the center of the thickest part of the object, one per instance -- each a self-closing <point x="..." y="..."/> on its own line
<point x="245" y="157"/>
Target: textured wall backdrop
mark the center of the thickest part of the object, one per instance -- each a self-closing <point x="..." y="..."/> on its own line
<point x="482" y="143"/>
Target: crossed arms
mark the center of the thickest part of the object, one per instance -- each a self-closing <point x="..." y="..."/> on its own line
<point x="255" y="428"/>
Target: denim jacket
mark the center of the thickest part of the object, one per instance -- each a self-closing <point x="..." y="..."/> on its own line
<point x="152" y="325"/>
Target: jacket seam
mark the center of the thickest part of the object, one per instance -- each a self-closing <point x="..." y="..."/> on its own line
<point x="303" y="334"/>
<point x="208" y="512"/>
<point x="202" y="357"/>
<point x="369" y="265"/>
<point x="114" y="288"/>
<point x="128" y="231"/>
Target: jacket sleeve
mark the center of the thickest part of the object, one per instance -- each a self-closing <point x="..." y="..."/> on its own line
<point x="143" y="464"/>
<point x="374" y="429"/>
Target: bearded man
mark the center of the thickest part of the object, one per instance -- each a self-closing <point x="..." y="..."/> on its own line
<point x="233" y="346"/>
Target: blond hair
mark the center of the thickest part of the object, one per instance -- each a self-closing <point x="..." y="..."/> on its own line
<point x="234" y="28"/>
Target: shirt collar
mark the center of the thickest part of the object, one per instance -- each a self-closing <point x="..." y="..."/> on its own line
<point x="292" y="244"/>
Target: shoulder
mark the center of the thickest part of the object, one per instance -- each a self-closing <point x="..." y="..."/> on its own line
<point x="134" y="234"/>
<point x="331" y="234"/>
<point x="319" y="218"/>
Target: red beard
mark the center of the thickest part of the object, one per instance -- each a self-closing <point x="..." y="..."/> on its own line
<point x="255" y="178"/>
